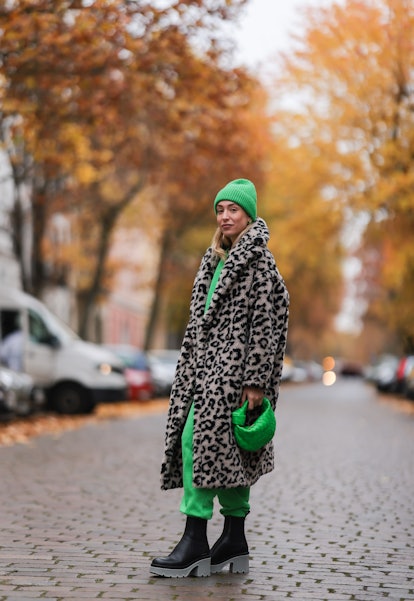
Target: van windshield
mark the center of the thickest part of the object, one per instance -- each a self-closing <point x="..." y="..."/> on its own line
<point x="46" y="325"/>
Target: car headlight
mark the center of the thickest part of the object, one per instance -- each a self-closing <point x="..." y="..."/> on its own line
<point x="105" y="369"/>
<point x="6" y="379"/>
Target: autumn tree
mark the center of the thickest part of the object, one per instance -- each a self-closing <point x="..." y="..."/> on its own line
<point x="227" y="137"/>
<point x="348" y="88"/>
<point x="305" y="239"/>
<point x="86" y="129"/>
<point x="54" y="100"/>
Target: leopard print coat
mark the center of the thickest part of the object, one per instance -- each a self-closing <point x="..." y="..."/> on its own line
<point x="240" y="341"/>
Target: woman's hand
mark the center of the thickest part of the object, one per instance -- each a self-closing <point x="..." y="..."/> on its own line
<point x="253" y="395"/>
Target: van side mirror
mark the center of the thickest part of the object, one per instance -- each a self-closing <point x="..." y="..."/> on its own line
<point x="53" y="341"/>
<point x="50" y="340"/>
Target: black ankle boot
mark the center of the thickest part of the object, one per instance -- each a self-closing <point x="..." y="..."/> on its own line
<point x="231" y="548"/>
<point x="190" y="557"/>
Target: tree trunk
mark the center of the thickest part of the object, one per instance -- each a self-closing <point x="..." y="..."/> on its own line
<point x="156" y="305"/>
<point x="21" y="221"/>
<point x="37" y="262"/>
<point x="87" y="298"/>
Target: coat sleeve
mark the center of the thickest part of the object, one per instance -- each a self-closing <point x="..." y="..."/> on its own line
<point x="268" y="329"/>
<point x="186" y="362"/>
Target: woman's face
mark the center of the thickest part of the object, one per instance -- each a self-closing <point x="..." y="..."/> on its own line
<point x="231" y="219"/>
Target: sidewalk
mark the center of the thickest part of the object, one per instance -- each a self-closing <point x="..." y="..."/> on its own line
<point x="81" y="513"/>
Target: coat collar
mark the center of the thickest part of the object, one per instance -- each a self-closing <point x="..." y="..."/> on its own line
<point x="250" y="245"/>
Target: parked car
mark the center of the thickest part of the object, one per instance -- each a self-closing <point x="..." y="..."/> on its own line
<point x="74" y="374"/>
<point x="409" y="387"/>
<point x="18" y="394"/>
<point x="350" y="368"/>
<point x="301" y="371"/>
<point x="163" y="364"/>
<point x="306" y="371"/>
<point x="287" y="370"/>
<point x="137" y="371"/>
<point x="404" y="367"/>
<point x="383" y="373"/>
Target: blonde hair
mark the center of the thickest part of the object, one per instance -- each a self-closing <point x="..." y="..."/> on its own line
<point x="222" y="245"/>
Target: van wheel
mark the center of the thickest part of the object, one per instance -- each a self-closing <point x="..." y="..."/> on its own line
<point x="71" y="399"/>
<point x="24" y="408"/>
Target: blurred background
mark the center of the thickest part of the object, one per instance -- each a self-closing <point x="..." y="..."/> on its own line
<point x="120" y="120"/>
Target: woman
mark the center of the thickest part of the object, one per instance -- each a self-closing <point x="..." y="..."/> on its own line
<point x="232" y="351"/>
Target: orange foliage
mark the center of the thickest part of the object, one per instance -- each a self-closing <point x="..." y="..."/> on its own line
<point x="349" y="91"/>
<point x="100" y="101"/>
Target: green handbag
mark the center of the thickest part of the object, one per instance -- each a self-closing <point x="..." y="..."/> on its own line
<point x="259" y="433"/>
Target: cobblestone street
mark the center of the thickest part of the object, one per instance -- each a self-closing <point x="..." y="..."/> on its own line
<point x="82" y="514"/>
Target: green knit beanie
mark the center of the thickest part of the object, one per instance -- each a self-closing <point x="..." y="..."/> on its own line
<point x="243" y="193"/>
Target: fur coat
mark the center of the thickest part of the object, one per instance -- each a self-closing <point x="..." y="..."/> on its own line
<point x="240" y="341"/>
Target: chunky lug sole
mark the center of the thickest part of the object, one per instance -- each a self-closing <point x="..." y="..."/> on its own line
<point x="237" y="565"/>
<point x="198" y="568"/>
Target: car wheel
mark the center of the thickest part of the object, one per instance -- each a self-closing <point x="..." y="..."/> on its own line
<point x="24" y="407"/>
<point x="71" y="399"/>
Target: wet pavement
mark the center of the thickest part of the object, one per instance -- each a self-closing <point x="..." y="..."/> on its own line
<point x="82" y="514"/>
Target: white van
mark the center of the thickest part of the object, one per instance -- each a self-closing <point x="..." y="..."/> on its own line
<point x="75" y="375"/>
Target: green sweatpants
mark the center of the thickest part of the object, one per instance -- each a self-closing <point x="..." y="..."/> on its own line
<point x="199" y="502"/>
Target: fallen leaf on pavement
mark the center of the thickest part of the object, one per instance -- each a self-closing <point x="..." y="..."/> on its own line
<point x="22" y="430"/>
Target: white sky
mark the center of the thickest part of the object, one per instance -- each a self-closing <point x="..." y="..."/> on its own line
<point x="265" y="27"/>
